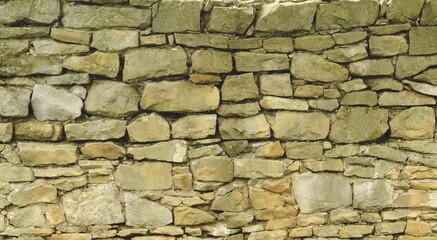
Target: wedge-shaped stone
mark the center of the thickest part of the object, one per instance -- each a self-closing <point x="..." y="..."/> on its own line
<point x="29" y="65"/>
<point x="38" y="11"/>
<point x="347" y="54"/>
<point x="422" y="40"/>
<point x="389" y="29"/>
<point x="262" y="199"/>
<point x="387" y="45"/>
<point x="404" y="10"/>
<point x="259" y="62"/>
<point x="40" y="154"/>
<point x="429" y="76"/>
<point x="57" y="172"/>
<point x="24" y="32"/>
<point x="419" y="172"/>
<point x="149" y="128"/>
<point x="257" y="168"/>
<point x="209" y="61"/>
<point x="230" y="20"/>
<point x="14" y="101"/>
<point x="212" y="169"/>
<point x="349" y="37"/>
<point x="351" y="118"/>
<point x="384" y="152"/>
<point x="69" y="183"/>
<point x="147" y="176"/>
<point x="285" y="17"/>
<point x="381" y="67"/>
<point x="170" y="151"/>
<point x="97" y="204"/>
<point x="404" y="98"/>
<point x="114" y="40"/>
<point x="10" y="173"/>
<point x="304" y="150"/>
<point x="314" y="68"/>
<point x="239" y="87"/>
<point x="191" y="216"/>
<point x="36" y="192"/>
<point x="85" y="16"/>
<point x="6" y="132"/>
<point x="102" y="129"/>
<point x="343" y="151"/>
<point x="234" y="201"/>
<point x="255" y="127"/>
<point x="429" y="12"/>
<point x="320" y="192"/>
<point x="112" y="99"/>
<point x="44" y="47"/>
<point x="71" y="35"/>
<point x="194" y="126"/>
<point x="99" y="63"/>
<point x="314" y="43"/>
<point x="13" y="47"/>
<point x="49" y="103"/>
<point x="179" y="96"/>
<point x="108" y="150"/>
<point x="300" y="126"/>
<point x="384" y="84"/>
<point x="416" y="199"/>
<point x="413" y="124"/>
<point x="408" y="66"/>
<point x="346" y="14"/>
<point x="143" y="212"/>
<point x="277" y="103"/>
<point x="276" y="84"/>
<point x="373" y="195"/>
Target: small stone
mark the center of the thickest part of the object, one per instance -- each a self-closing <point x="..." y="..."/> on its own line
<point x="419" y="146"/>
<point x="239" y="87"/>
<point x="40" y="154"/>
<point x="13" y="47"/>
<point x="69" y="183"/>
<point x="373" y="195"/>
<point x="428" y="14"/>
<point x="402" y="10"/>
<point x="239" y="110"/>
<point x="384" y="152"/>
<point x="349" y="37"/>
<point x="10" y="173"/>
<point x="377" y="84"/>
<point x="314" y="43"/>
<point x="278" y="44"/>
<point x="277" y="235"/>
<point x="270" y="150"/>
<point x="69" y="236"/>
<point x="202" y="40"/>
<point x="14" y="101"/>
<point x="210" y="150"/>
<point x="366" y="98"/>
<point x="311" y="126"/>
<point x="303" y="67"/>
<point x="108" y="150"/>
<point x="381" y="67"/>
<point x="258" y="168"/>
<point x="422" y="41"/>
<point x="404" y="98"/>
<point x="209" y="61"/>
<point x="170" y="151"/>
<point x="390" y="228"/>
<point x="30" y="216"/>
<point x="153" y="40"/>
<point x="200" y="78"/>
<point x="276" y="84"/>
<point x="6" y="131"/>
<point x="353" y="85"/>
<point x="324" y="104"/>
<point x="413" y="123"/>
<point x="355" y="231"/>
<point x="152" y="176"/>
<point x="300" y="232"/>
<point x="194" y="126"/>
<point x="149" y="128"/>
<point x="277" y="103"/>
<point x="235" y="219"/>
<point x="24" y="65"/>
<point x="342" y="151"/>
<point x="309" y="91"/>
<point x="340" y="216"/>
<point x="389" y="29"/>
<point x="417" y="229"/>
<point x="109" y="40"/>
<point x="23" y="32"/>
<point x="335" y="165"/>
<point x="103" y="129"/>
<point x="233" y="148"/>
<point x="213" y="168"/>
<point x="36" y="192"/>
<point x="169" y="230"/>
<point x="191" y="216"/>
<point x="54" y="215"/>
<point x="260" y="62"/>
<point x="304" y="150"/>
<point x="255" y="127"/>
<point x="245" y="43"/>
<point x="347" y="54"/>
<point x="177" y="16"/>
<point x="99" y="63"/>
<point x="230" y="20"/>
<point x="58" y="172"/>
<point x="387" y="45"/>
<point x="68" y="79"/>
<point x="45" y="47"/>
<point x="233" y="201"/>
<point x="326" y="230"/>
<point x="143" y="212"/>
<point x="371" y="217"/>
<point x="71" y="35"/>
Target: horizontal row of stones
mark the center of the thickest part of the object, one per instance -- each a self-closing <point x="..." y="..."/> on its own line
<point x="181" y="16"/>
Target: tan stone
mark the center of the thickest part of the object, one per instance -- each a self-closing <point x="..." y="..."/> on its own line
<point x="428" y="14"/>
<point x="262" y="199"/>
<point x="200" y="78"/>
<point x="277" y="235"/>
<point x="36" y="192"/>
<point x="404" y="98"/>
<point x="419" y="172"/>
<point x="303" y="67"/>
<point x="107" y="150"/>
<point x="416" y="228"/>
<point x="10" y="173"/>
<point x="313" y="43"/>
<point x="209" y="61"/>
<point x="309" y="91"/>
<point x="270" y="150"/>
<point x="373" y="195"/>
<point x="191" y="216"/>
<point x="278" y="186"/>
<point x="110" y="40"/>
<point x="347" y="54"/>
<point x="54" y="215"/>
<point x="339" y="216"/>
<point x="311" y="219"/>
<point x="255" y="127"/>
<point x="152" y="176"/>
<point x="71" y="236"/>
<point x="411" y="65"/>
<point x="424" y="88"/>
<point x="387" y="45"/>
<point x="380" y="67"/>
<point x="194" y="126"/>
<point x="355" y="231"/>
<point x="71" y="35"/>
<point x="239" y="109"/>
<point x="390" y="228"/>
<point x="57" y="172"/>
<point x="402" y="11"/>
<point x="6" y="130"/>
<point x="326" y="230"/>
<point x="105" y="64"/>
<point x="234" y="201"/>
<point x="335" y="165"/>
<point x="169" y="151"/>
<point x="300" y="126"/>
<point x="349" y="37"/>
<point x="276" y="84"/>
<point x="363" y="98"/>
<point x="304" y="150"/>
<point x="258" y="168"/>
<point x="278" y="44"/>
<point x="39" y="154"/>
<point x="413" y="124"/>
<point x="29" y="216"/>
<point x="102" y="129"/>
<point x="260" y="62"/>
<point x="149" y="128"/>
<point x="301" y="232"/>
<point x="277" y="103"/>
<point x="389" y="29"/>
<point x="385" y="152"/>
<point x="143" y="212"/>
<point x="35" y="130"/>
<point x="177" y="16"/>
<point x="230" y="20"/>
<point x="342" y="151"/>
<point x="213" y="168"/>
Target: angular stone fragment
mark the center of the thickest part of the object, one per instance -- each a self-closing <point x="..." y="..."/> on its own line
<point x="270" y="150"/>
<point x="314" y="43"/>
<point x="108" y="150"/>
<point x="384" y="84"/>
<point x="36" y="192"/>
<point x="245" y="43"/>
<point x="411" y="65"/>
<point x="200" y="78"/>
<point x="390" y="228"/>
<point x="403" y="10"/>
<point x="332" y="192"/>
<point x="23" y="32"/>
<point x="346" y="14"/>
<point x="69" y="183"/>
<point x="304" y="150"/>
<point x="314" y="68"/>
<point x="69" y="236"/>
<point x="238" y="110"/>
<point x="35" y="130"/>
<point x="257" y="168"/>
<point x="239" y="87"/>
<point x="309" y="91"/>
<point x="13" y="47"/>
<point x="324" y="104"/>
<point x="422" y="40"/>
<point x="387" y="45"/>
<point x="347" y="54"/>
<point x="170" y="151"/>
<point x="213" y="168"/>
<point x="389" y="29"/>
<point x="109" y="40"/>
<point x="143" y="212"/>
<point x="40" y="154"/>
<point x="68" y="79"/>
<point x="202" y="40"/>
<point x="191" y="216"/>
<point x="236" y="219"/>
<point x="57" y="172"/>
<point x="422" y="87"/>
<point x="38" y="11"/>
<point x="94" y="205"/>
<point x="381" y="67"/>
<point x="194" y="126"/>
<point x="14" y="101"/>
<point x="344" y="216"/>
<point x="285" y="17"/>
<point x="404" y="98"/>
<point x="277" y="103"/>
<point x="179" y="96"/>
<point x="419" y="146"/>
<point x="278" y="44"/>
<point x="367" y="98"/>
<point x="373" y="195"/>
<point x="102" y="129"/>
<point x="153" y="40"/>
<point x="384" y="152"/>
<point x="300" y="126"/>
<point x="349" y="37"/>
<point x="413" y="124"/>
<point x="276" y="84"/>
<point x="6" y="131"/>
<point x="429" y="12"/>
<point x="177" y="16"/>
<point x="209" y="61"/>
<point x="355" y="231"/>
<point x="428" y="76"/>
<point x="147" y="176"/>
<point x="277" y="234"/>
<point x="86" y="16"/>
<point x="31" y="216"/>
<point x="262" y="199"/>
<point x="99" y="63"/>
<point x="230" y="20"/>
<point x="44" y="47"/>
<point x="112" y="99"/>
<point x="10" y="173"/>
<point x="149" y="128"/>
<point x="350" y="118"/>
<point x="255" y="127"/>
<point x="259" y="62"/>
<point x="334" y="165"/>
<point x="24" y="65"/>
<point x="71" y="35"/>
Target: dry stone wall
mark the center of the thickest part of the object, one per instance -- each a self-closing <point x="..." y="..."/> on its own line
<point x="231" y="120"/>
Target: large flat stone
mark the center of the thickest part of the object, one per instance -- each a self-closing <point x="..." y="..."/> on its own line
<point x="40" y="154"/>
<point x="36" y="192"/>
<point x="258" y="62"/>
<point x="114" y="40"/>
<point x="194" y="126"/>
<point x="147" y="176"/>
<point x="14" y="101"/>
<point x="373" y="195"/>
<point x="379" y="67"/>
<point x="408" y="66"/>
<point x="149" y="128"/>
<point x="314" y="68"/>
<point x="177" y="16"/>
<point x="230" y="20"/>
<point x="102" y="129"/>
<point x="99" y="63"/>
<point x="191" y="216"/>
<point x="239" y="87"/>
<point x="10" y="173"/>
<point x="300" y="126"/>
<point x="404" y="10"/>
<point x="429" y="12"/>
<point x="414" y="124"/>
<point x="45" y="47"/>
<point x="404" y="98"/>
<point x="209" y="61"/>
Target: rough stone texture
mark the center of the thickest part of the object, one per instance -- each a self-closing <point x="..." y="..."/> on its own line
<point x="300" y="126"/>
<point x="382" y="67"/>
<point x="402" y="10"/>
<point x="413" y="123"/>
<point x="422" y="42"/>
<point x="317" y="69"/>
<point x="347" y="54"/>
<point x="255" y="127"/>
<point x="14" y="101"/>
<point x="208" y="61"/>
<point x="404" y="98"/>
<point x="194" y="127"/>
<point x="39" y="154"/>
<point x="237" y="20"/>
<point x="99" y="63"/>
<point x="387" y="45"/>
<point x="106" y="150"/>
<point x="239" y="87"/>
<point x="36" y="192"/>
<point x="149" y="128"/>
<point x="171" y="151"/>
<point x="50" y="47"/>
<point x="212" y="169"/>
<point x="153" y="176"/>
<point x="314" y="43"/>
<point x="143" y="212"/>
<point x="114" y="40"/>
<point x="429" y="13"/>
<point x="258" y="62"/>
<point x="177" y="16"/>
<point x="103" y="129"/>
<point x="373" y="195"/>
<point x="257" y="168"/>
<point x="29" y="65"/>
<point x="39" y="11"/>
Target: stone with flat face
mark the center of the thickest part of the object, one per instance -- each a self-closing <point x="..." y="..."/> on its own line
<point x="39" y="11"/>
<point x="230" y="20"/>
<point x="387" y="45"/>
<point x="380" y="67"/>
<point x="143" y="212"/>
<point x="102" y="129"/>
<point x="14" y="101"/>
<point x="423" y="41"/>
<point x="194" y="126"/>
<point x="10" y="173"/>
<point x="29" y="65"/>
<point x="30" y="216"/>
<point x="239" y="87"/>
<point x="404" y="10"/>
<point x="114" y="40"/>
<point x="170" y="151"/>
<point x="149" y="128"/>
<point x="414" y="124"/>
<point x="255" y="127"/>
<point x="98" y="63"/>
<point x="257" y="168"/>
<point x="404" y="98"/>
<point x="213" y="169"/>
<point x="258" y="62"/>
<point x="429" y="13"/>
<point x="209" y="61"/>
<point x="314" y="68"/>
<point x="36" y="192"/>
<point x="44" y="47"/>
<point x="191" y="216"/>
<point x="147" y="176"/>
<point x="300" y="126"/>
<point x="177" y="16"/>
<point x="408" y="66"/>
<point x="40" y="154"/>
<point x="108" y="150"/>
<point x="373" y="195"/>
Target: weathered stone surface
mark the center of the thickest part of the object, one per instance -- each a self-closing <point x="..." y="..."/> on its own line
<point x="10" y="173"/>
<point x="262" y="199"/>
<point x="255" y="127"/>
<point x="429" y="12"/>
<point x="334" y="165"/>
<point x="309" y="91"/>
<point x="304" y="150"/>
<point x="300" y="126"/>
<point x="278" y="44"/>
<point x="380" y="67"/>
<point x="14" y="101"/>
<point x="276" y="85"/>
<point x="57" y="172"/>
<point x="30" y="216"/>
<point x="384" y="84"/>
<point x="213" y="168"/>
<point x="239" y="110"/>
<point x="314" y="68"/>
<point x="258" y="168"/>
<point x="13" y="47"/>
<point x="277" y="234"/>
<point x="373" y="195"/>
<point x="270" y="150"/>
<point x="285" y="17"/>
<point x="71" y="35"/>
<point x="191" y="216"/>
<point x="205" y="78"/>
<point x="384" y="152"/>
<point x="149" y="128"/>
<point x="39" y="154"/>
<point x="422" y="41"/>
<point x="24" y="65"/>
<point x="194" y="127"/>
<point x="114" y="40"/>
<point x="146" y="63"/>
<point x="390" y="228"/>
<point x="24" y="32"/>
<point x="332" y="192"/>
<point x="404" y="98"/>
<point x="6" y="131"/>
<point x="36" y="192"/>
<point x="347" y="54"/>
<point x="258" y="62"/>
<point x="112" y="99"/>
<point x="277" y="103"/>
<point x="68" y="79"/>
<point x="402" y="10"/>
<point x="170" y="151"/>
<point x="177" y="16"/>
<point x="387" y="45"/>
<point x="350" y="118"/>
<point x="339" y="216"/>
<point x="38" y="11"/>
<point x="355" y="231"/>
<point x="245" y="43"/>
<point x="236" y="219"/>
<point x="102" y="129"/>
<point x="179" y="96"/>
<point x="413" y="124"/>
<point x="143" y="212"/>
<point x="202" y="40"/>
<point x="230" y="20"/>
<point x="314" y="43"/>
<point x="86" y="16"/>
<point x="419" y="146"/>
<point x="324" y="104"/>
<point x="428" y="76"/>
<point x="153" y="40"/>
<point x="366" y="98"/>
<point x="389" y="29"/>
<point x="46" y="47"/>
<point x="408" y="66"/>
<point x="99" y="63"/>
<point x="152" y="176"/>
<point x="94" y="205"/>
<point x="209" y="61"/>
<point x="69" y="236"/>
<point x="417" y="228"/>
<point x="349" y="37"/>
<point x="239" y="87"/>
<point x="346" y="14"/>
<point x="108" y="150"/>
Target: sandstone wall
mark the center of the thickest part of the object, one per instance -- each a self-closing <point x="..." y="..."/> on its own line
<point x="231" y="120"/>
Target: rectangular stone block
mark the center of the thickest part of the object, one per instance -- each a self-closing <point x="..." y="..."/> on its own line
<point x="40" y="154"/>
<point x="257" y="168"/>
<point x="423" y="40"/>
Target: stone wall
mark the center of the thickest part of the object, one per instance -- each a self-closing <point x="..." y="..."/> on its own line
<point x="231" y="120"/>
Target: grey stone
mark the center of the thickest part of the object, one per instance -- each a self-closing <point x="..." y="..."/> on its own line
<point x="71" y="35"/>
<point x="408" y="66"/>
<point x="424" y="88"/>
<point x="276" y="84"/>
<point x="366" y="98"/>
<point x="202" y="40"/>
<point x="387" y="45"/>
<point x="10" y="173"/>
<point x="304" y="150"/>
<point x="255" y="127"/>
<point x="152" y="176"/>
<point x="239" y="87"/>
<point x="428" y="76"/>
<point x="29" y="65"/>
<point x="114" y="40"/>
<point x="35" y="192"/>
<point x="230" y="20"/>
<point x="278" y="103"/>
<point x="13" y="47"/>
<point x="38" y="11"/>
<point x="177" y="16"/>
<point x="14" y="101"/>
<point x="389" y="29"/>
<point x="384" y="84"/>
<point x="314" y="68"/>
<point x="300" y="126"/>
<point x="143" y="212"/>
<point x="373" y="195"/>
<point x="380" y="67"/>
<point x="238" y="110"/>
<point x="102" y="129"/>
<point x="44" y="47"/>
<point x="278" y="44"/>
<point x="170" y="151"/>
<point x="324" y="104"/>
<point x="384" y="152"/>
<point x="258" y="62"/>
<point x="68" y="79"/>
